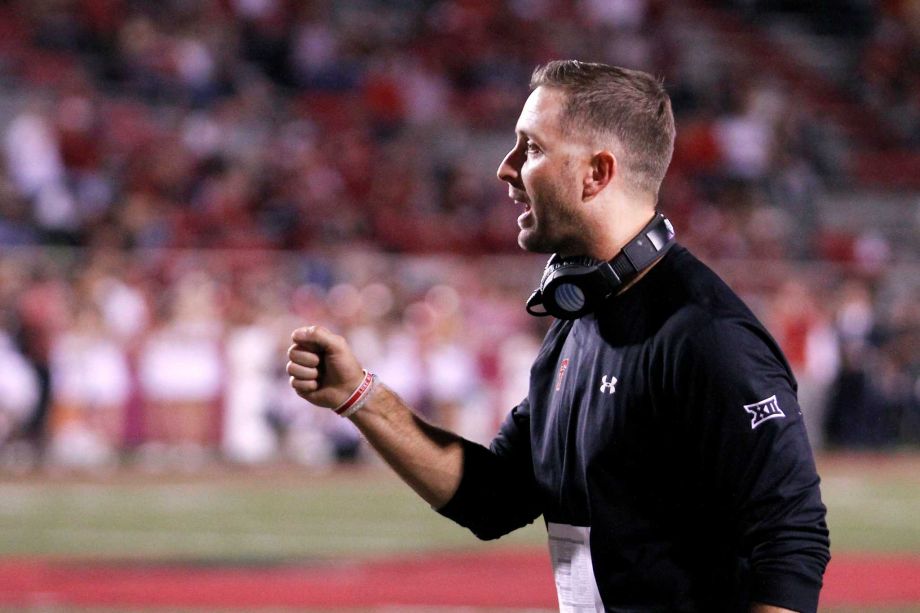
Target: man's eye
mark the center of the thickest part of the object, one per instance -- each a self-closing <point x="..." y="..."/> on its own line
<point x="532" y="148"/>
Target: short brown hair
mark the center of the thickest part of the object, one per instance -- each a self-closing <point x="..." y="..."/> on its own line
<point x="630" y="105"/>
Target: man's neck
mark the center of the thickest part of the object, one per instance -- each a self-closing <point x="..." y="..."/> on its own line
<point x="619" y="229"/>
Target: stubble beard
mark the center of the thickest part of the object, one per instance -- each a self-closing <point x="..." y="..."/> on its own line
<point x="558" y="229"/>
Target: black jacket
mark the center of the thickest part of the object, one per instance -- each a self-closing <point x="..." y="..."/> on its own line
<point x="668" y="423"/>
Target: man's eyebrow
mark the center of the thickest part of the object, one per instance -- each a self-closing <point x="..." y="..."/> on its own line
<point x="523" y="133"/>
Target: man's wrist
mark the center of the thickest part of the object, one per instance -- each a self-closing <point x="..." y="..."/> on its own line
<point x="358" y="397"/>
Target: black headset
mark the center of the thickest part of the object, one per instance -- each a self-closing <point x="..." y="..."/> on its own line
<point x="573" y="287"/>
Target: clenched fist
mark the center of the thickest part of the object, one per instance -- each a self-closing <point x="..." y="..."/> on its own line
<point x="323" y="369"/>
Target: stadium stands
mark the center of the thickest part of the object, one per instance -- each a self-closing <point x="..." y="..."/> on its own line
<point x="185" y="182"/>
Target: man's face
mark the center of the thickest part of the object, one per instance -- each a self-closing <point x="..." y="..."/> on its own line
<point x="543" y="175"/>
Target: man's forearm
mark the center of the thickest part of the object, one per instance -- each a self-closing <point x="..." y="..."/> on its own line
<point x="427" y="458"/>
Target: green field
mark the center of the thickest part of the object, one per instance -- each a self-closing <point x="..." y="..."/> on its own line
<point x="276" y="515"/>
<point x="873" y="504"/>
<point x="261" y="515"/>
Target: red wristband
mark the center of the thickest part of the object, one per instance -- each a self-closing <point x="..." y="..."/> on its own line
<point x="356" y="395"/>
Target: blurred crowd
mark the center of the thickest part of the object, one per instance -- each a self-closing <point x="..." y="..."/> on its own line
<point x="178" y="357"/>
<point x="879" y="40"/>
<point x="281" y="124"/>
<point x="184" y="182"/>
<point x="174" y="359"/>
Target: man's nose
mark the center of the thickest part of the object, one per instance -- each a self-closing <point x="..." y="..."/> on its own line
<point x="509" y="170"/>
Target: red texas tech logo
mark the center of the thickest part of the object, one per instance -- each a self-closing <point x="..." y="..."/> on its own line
<point x="563" y="366"/>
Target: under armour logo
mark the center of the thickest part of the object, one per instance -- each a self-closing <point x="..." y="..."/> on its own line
<point x="609" y="387"/>
<point x="763" y="410"/>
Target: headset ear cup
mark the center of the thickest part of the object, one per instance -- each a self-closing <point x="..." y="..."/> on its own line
<point x="571" y="296"/>
<point x="570" y="288"/>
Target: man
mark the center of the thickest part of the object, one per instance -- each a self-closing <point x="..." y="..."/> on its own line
<point x="661" y="438"/>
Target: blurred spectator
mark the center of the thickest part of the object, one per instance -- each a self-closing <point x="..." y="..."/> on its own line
<point x="251" y="347"/>
<point x="745" y="134"/>
<point x="90" y="387"/>
<point x="810" y="344"/>
<point x="857" y="413"/>
<point x="182" y="376"/>
<point x="34" y="160"/>
<point x="19" y="389"/>
<point x="41" y="316"/>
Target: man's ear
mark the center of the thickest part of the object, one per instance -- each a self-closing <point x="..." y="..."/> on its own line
<point x="602" y="171"/>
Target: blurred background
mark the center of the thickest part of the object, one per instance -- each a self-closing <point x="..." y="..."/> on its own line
<point x="184" y="182"/>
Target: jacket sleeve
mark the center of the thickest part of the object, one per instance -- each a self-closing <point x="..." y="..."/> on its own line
<point x="497" y="492"/>
<point x="757" y="463"/>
